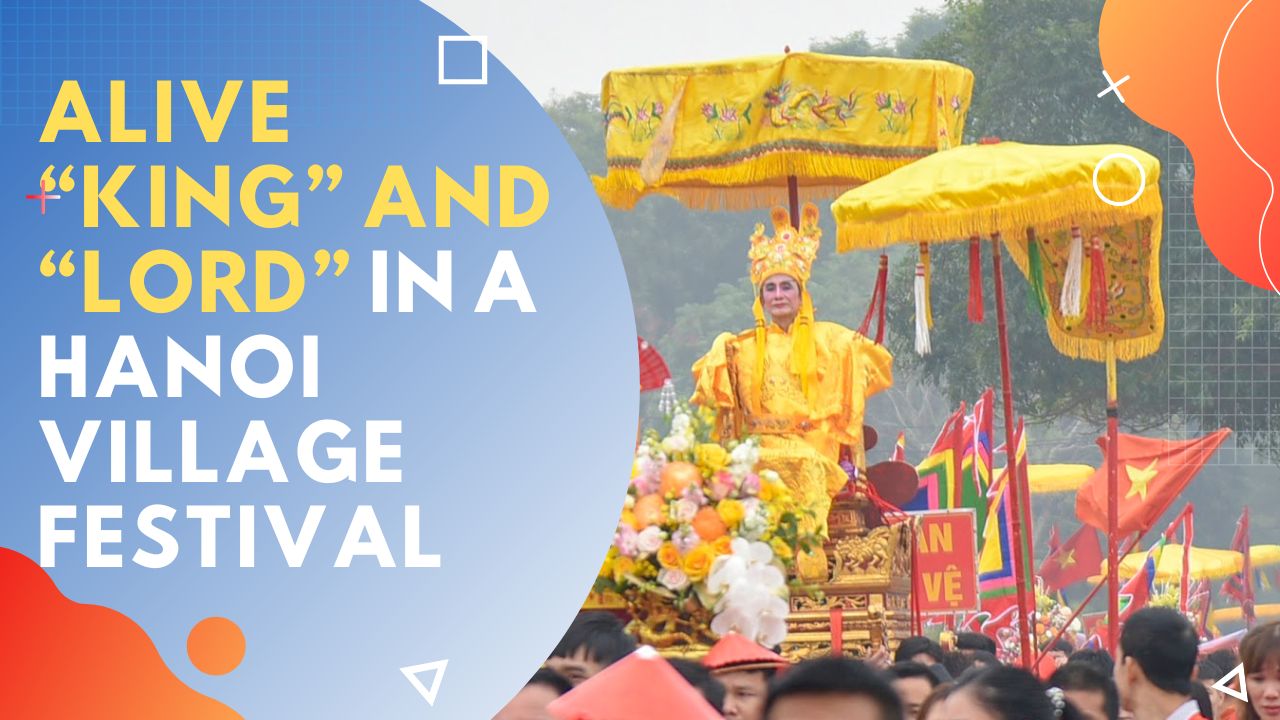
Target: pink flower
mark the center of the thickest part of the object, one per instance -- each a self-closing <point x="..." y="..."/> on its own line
<point x="646" y="484"/>
<point x="649" y="540"/>
<point x="722" y="485"/>
<point x="694" y="494"/>
<point x="673" y="579"/>
<point x="625" y="540"/>
<point x="882" y="100"/>
<point x="751" y="484"/>
<point x="685" y="539"/>
<point x="685" y="510"/>
<point x="730" y="114"/>
<point x="642" y="115"/>
<point x="955" y="102"/>
<point x="900" y="107"/>
<point x="708" y="111"/>
<point x="658" y="109"/>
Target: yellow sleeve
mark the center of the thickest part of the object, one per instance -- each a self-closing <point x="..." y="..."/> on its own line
<point x="711" y="387"/>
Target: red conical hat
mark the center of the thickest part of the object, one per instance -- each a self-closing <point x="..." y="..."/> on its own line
<point x="640" y="686"/>
<point x="735" y="652"/>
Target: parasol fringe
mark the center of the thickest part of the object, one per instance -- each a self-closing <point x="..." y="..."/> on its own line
<point x="928" y="282"/>
<point x="1069" y="302"/>
<point x="753" y="183"/>
<point x="1072" y="205"/>
<point x="922" y="318"/>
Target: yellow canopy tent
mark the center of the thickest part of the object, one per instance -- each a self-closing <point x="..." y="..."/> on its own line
<point x="1205" y="564"/>
<point x="1054" y="478"/>
<point x="735" y="134"/>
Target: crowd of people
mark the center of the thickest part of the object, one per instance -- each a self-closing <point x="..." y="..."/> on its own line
<point x="1158" y="674"/>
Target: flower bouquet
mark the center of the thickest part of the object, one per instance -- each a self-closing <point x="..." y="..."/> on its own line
<point x="1052" y="616"/>
<point x="705" y="543"/>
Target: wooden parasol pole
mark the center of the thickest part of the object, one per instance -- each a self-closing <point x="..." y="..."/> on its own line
<point x="1015" y="481"/>
<point x="1113" y="512"/>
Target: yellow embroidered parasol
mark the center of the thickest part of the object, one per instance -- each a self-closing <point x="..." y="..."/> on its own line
<point x="1018" y="192"/>
<point x="1056" y="209"/>
<point x="1264" y="555"/>
<point x="735" y="134"/>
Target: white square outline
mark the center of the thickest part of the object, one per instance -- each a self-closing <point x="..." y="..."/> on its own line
<point x="484" y="60"/>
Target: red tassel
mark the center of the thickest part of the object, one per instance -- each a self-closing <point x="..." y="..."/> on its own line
<point x="975" y="280"/>
<point x="875" y="311"/>
<point x="1097" y="286"/>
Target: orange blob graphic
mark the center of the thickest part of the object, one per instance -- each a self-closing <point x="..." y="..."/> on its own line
<point x="62" y="659"/>
<point x="1206" y="72"/>
<point x="215" y="646"/>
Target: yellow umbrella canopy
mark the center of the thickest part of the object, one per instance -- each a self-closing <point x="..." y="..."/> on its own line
<point x="1264" y="555"/>
<point x="1205" y="564"/>
<point x="1035" y="193"/>
<point x="1055" y="478"/>
<point x="1265" y="611"/>
<point x="728" y="135"/>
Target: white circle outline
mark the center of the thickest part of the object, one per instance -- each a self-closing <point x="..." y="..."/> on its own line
<point x="1142" y="180"/>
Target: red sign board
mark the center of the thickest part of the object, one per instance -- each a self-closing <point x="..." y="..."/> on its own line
<point x="947" y="561"/>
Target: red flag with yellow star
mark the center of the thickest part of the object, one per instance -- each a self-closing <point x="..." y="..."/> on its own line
<point x="1152" y="471"/>
<point x="1079" y="558"/>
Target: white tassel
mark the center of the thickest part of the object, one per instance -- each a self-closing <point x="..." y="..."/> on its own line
<point x="922" y="318"/>
<point x="1069" y="303"/>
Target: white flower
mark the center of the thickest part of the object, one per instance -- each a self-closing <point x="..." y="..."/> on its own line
<point x="675" y="444"/>
<point x="649" y="539"/>
<point x="679" y="423"/>
<point x="673" y="579"/>
<point x="754" y="590"/>
<point x="685" y="510"/>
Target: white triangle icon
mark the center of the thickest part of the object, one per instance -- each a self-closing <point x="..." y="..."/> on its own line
<point x="1221" y="685"/>
<point x="411" y="672"/>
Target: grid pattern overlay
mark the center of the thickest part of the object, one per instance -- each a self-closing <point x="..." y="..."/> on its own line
<point x="1221" y="342"/>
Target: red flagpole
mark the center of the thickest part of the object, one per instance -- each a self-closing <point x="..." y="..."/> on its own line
<point x="1113" y="510"/>
<point x="1246" y="607"/>
<point x="1015" y="481"/>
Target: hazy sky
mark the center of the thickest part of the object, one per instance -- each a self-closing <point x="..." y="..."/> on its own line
<point x="565" y="46"/>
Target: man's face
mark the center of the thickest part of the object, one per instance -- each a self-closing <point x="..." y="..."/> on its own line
<point x="826" y="706"/>
<point x="1091" y="703"/>
<point x="529" y="704"/>
<point x="576" y="667"/>
<point x="912" y="691"/>
<point x="744" y="694"/>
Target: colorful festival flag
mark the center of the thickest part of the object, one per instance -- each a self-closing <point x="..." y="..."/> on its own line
<point x="900" y="449"/>
<point x="996" y="586"/>
<point x="1152" y="472"/>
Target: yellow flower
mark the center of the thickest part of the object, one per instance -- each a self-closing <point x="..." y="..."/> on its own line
<point x="731" y="512"/>
<point x="669" y="556"/>
<point x="697" y="562"/>
<point x="768" y="490"/>
<point x="646" y="569"/>
<point x="621" y="567"/>
<point x="723" y="545"/>
<point x="780" y="548"/>
<point x="629" y="518"/>
<point x="710" y="458"/>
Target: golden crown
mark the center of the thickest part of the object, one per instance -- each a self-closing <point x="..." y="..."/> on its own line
<point x="789" y="251"/>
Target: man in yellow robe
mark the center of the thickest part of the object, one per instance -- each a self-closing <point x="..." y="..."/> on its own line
<point x="800" y="385"/>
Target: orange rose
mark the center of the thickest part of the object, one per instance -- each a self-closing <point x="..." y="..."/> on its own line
<point x="669" y="556"/>
<point x="697" y="562"/>
<point x="677" y="477"/>
<point x="723" y="545"/>
<point x="650" y="510"/>
<point x="708" y="525"/>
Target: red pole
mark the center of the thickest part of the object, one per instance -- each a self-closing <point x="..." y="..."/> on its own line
<point x="1010" y="452"/>
<point x="1113" y="511"/>
<point x="793" y="199"/>
<point x="1246" y="608"/>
